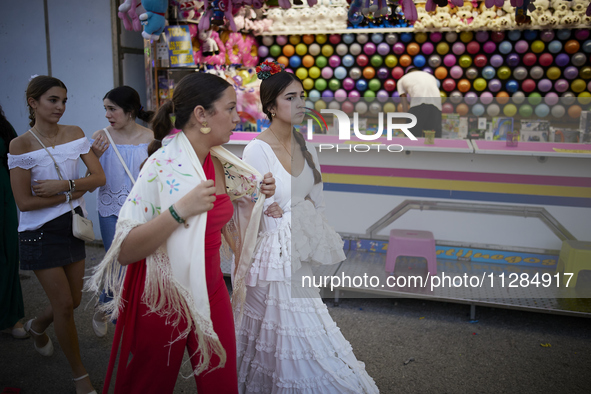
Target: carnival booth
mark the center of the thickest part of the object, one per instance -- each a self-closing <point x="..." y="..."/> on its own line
<point x="504" y="196"/>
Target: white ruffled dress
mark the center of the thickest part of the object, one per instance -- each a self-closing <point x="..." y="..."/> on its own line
<point x="287" y="342"/>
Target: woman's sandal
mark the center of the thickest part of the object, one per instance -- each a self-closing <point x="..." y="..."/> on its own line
<point x="46" y="350"/>
<point x="79" y="378"/>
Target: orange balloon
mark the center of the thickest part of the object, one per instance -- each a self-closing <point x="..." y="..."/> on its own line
<point x="572" y="46"/>
<point x="308" y="61"/>
<point x="502" y="98"/>
<point x="441" y="73"/>
<point x="288" y="50"/>
<point x="283" y="60"/>
<point x="413" y="49"/>
<point x="308" y="39"/>
<point x="405" y="60"/>
<point x="462" y="109"/>
<point x="463" y="85"/>
<point x="369" y="72"/>
<point x="574" y="111"/>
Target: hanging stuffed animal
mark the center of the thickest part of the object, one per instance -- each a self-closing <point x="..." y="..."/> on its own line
<point x="128" y="15"/>
<point x="208" y="45"/>
<point x="153" y="19"/>
<point x="410" y="10"/>
<point x="216" y="11"/>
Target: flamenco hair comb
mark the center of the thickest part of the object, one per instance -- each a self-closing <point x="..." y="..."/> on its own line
<point x="268" y="68"/>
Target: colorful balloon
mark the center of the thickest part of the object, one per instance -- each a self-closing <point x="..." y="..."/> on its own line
<point x="509" y="110"/>
<point x="486" y="98"/>
<point x="553" y="73"/>
<point x="473" y="47"/>
<point x="383" y="49"/>
<point x="478" y="109"/>
<point x="520" y="73"/>
<point x="479" y="84"/>
<point x="521" y="46"/>
<point x="493" y="110"/>
<point x="340" y="72"/>
<point x="370" y="48"/>
<point x="526" y="110"/>
<point x="413" y="48"/>
<point x="458" y="48"/>
<point x="496" y="61"/>
<point x="572" y="46"/>
<point x="555" y="46"/>
<point x="427" y="48"/>
<point x="542" y="110"/>
<point x="391" y="61"/>
<point x="518" y="97"/>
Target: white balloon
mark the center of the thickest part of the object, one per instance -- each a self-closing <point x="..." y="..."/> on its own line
<point x="493" y="110"/>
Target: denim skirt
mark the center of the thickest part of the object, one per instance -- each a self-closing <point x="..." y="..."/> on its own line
<point x="52" y="245"/>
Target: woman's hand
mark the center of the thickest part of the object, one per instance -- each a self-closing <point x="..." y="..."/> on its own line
<point x="274" y="211"/>
<point x="268" y="187"/>
<point x="48" y="188"/>
<point x="197" y="201"/>
<point x="100" y="145"/>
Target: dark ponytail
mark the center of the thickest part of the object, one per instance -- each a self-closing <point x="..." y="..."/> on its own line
<point x="193" y="90"/>
<point x="128" y="99"/>
<point x="37" y="88"/>
<point x="307" y="155"/>
<point x="161" y="126"/>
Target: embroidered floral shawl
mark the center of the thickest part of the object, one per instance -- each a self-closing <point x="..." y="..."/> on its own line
<point x="175" y="284"/>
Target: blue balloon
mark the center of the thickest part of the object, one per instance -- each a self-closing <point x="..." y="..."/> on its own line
<point x="361" y="85"/>
<point x="587" y="46"/>
<point x="406" y="37"/>
<point x="376" y="38"/>
<point x="295" y="61"/>
<point x="555" y="46"/>
<point x="505" y="47"/>
<point x="314" y="94"/>
<point x="488" y="72"/>
<point x="348" y="38"/>
<point x="512" y="86"/>
<point x="563" y="34"/>
<point x="478" y="109"/>
<point x="419" y="60"/>
<point x="514" y="35"/>
<point x="530" y="35"/>
<point x="348" y="60"/>
<point x="542" y="110"/>
<point x="340" y="72"/>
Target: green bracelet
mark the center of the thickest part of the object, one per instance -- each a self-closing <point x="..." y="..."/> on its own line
<point x="176" y="216"/>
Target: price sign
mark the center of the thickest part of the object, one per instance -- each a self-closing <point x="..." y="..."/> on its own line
<point x="180" y="49"/>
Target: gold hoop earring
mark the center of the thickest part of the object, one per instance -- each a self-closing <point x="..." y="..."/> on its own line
<point x="204" y="129"/>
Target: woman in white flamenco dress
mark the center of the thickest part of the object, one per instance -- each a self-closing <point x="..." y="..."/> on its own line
<point x="287" y="342"/>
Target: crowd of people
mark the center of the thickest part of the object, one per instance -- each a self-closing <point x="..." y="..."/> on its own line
<point x="171" y="202"/>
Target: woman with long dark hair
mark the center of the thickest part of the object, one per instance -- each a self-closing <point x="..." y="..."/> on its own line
<point x="169" y="234"/>
<point x="121" y="162"/>
<point x="45" y="178"/>
<point x="286" y="340"/>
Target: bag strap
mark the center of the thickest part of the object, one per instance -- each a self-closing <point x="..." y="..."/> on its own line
<point x="54" y="163"/>
<point x="119" y="155"/>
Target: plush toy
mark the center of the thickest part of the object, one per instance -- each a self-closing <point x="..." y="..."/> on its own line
<point x="277" y="16"/>
<point x="521" y="16"/>
<point x="128" y="15"/>
<point x="208" y="45"/>
<point x="214" y="12"/>
<point x="493" y="3"/>
<point x="153" y="19"/>
<point x="409" y="9"/>
<point x="190" y="10"/>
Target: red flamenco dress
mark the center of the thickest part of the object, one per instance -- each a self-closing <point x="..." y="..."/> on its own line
<point x="156" y="359"/>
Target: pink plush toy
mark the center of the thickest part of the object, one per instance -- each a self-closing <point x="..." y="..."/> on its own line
<point x="128" y="15"/>
<point x="430" y="6"/>
<point x="410" y="10"/>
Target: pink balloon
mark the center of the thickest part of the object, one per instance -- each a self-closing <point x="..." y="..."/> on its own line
<point x="486" y="98"/>
<point x="456" y="72"/>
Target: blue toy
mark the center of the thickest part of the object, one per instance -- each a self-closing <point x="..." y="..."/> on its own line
<point x="154" y="18"/>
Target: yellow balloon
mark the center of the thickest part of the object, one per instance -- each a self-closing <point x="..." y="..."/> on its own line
<point x="584" y="98"/>
<point x="442" y="48"/>
<point x="295" y="40"/>
<point x="319" y="105"/>
<point x="321" y="38"/>
<point x="245" y="75"/>
<point x="510" y="110"/>
<point x="308" y="83"/>
<point x="553" y="73"/>
<point x="314" y="72"/>
<point x="420" y="37"/>
<point x="389" y="107"/>
<point x="302" y="73"/>
<point x="578" y="85"/>
<point x="466" y="36"/>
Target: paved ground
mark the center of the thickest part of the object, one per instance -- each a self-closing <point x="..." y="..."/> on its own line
<point x="501" y="353"/>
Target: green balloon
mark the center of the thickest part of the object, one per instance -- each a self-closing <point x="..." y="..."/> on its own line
<point x="526" y="110"/>
<point x="369" y="96"/>
<point x="321" y="61"/>
<point x="275" y="50"/>
<point x="374" y="85"/>
<point x="320" y="84"/>
<point x="376" y="60"/>
<point x="534" y="98"/>
<point x="334" y="84"/>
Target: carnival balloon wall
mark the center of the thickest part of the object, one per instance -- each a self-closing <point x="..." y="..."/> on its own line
<point x="539" y="69"/>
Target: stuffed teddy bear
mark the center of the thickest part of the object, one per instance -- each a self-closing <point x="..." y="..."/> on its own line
<point x="339" y="16"/>
<point x="153" y="19"/>
<point x="291" y="20"/>
<point x="442" y="16"/>
<point x="128" y="15"/>
<point x="578" y="6"/>
<point x="276" y="15"/>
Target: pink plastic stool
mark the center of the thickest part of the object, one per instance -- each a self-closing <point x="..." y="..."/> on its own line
<point x="411" y="243"/>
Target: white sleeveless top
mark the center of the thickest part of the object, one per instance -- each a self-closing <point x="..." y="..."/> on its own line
<point x="42" y="168"/>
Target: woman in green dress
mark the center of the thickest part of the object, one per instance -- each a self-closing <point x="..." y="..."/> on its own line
<point x="11" y="298"/>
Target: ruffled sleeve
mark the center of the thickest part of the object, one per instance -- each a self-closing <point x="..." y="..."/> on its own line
<point x="24" y="161"/>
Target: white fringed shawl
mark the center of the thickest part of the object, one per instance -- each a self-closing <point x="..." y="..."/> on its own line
<point x="175" y="284"/>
